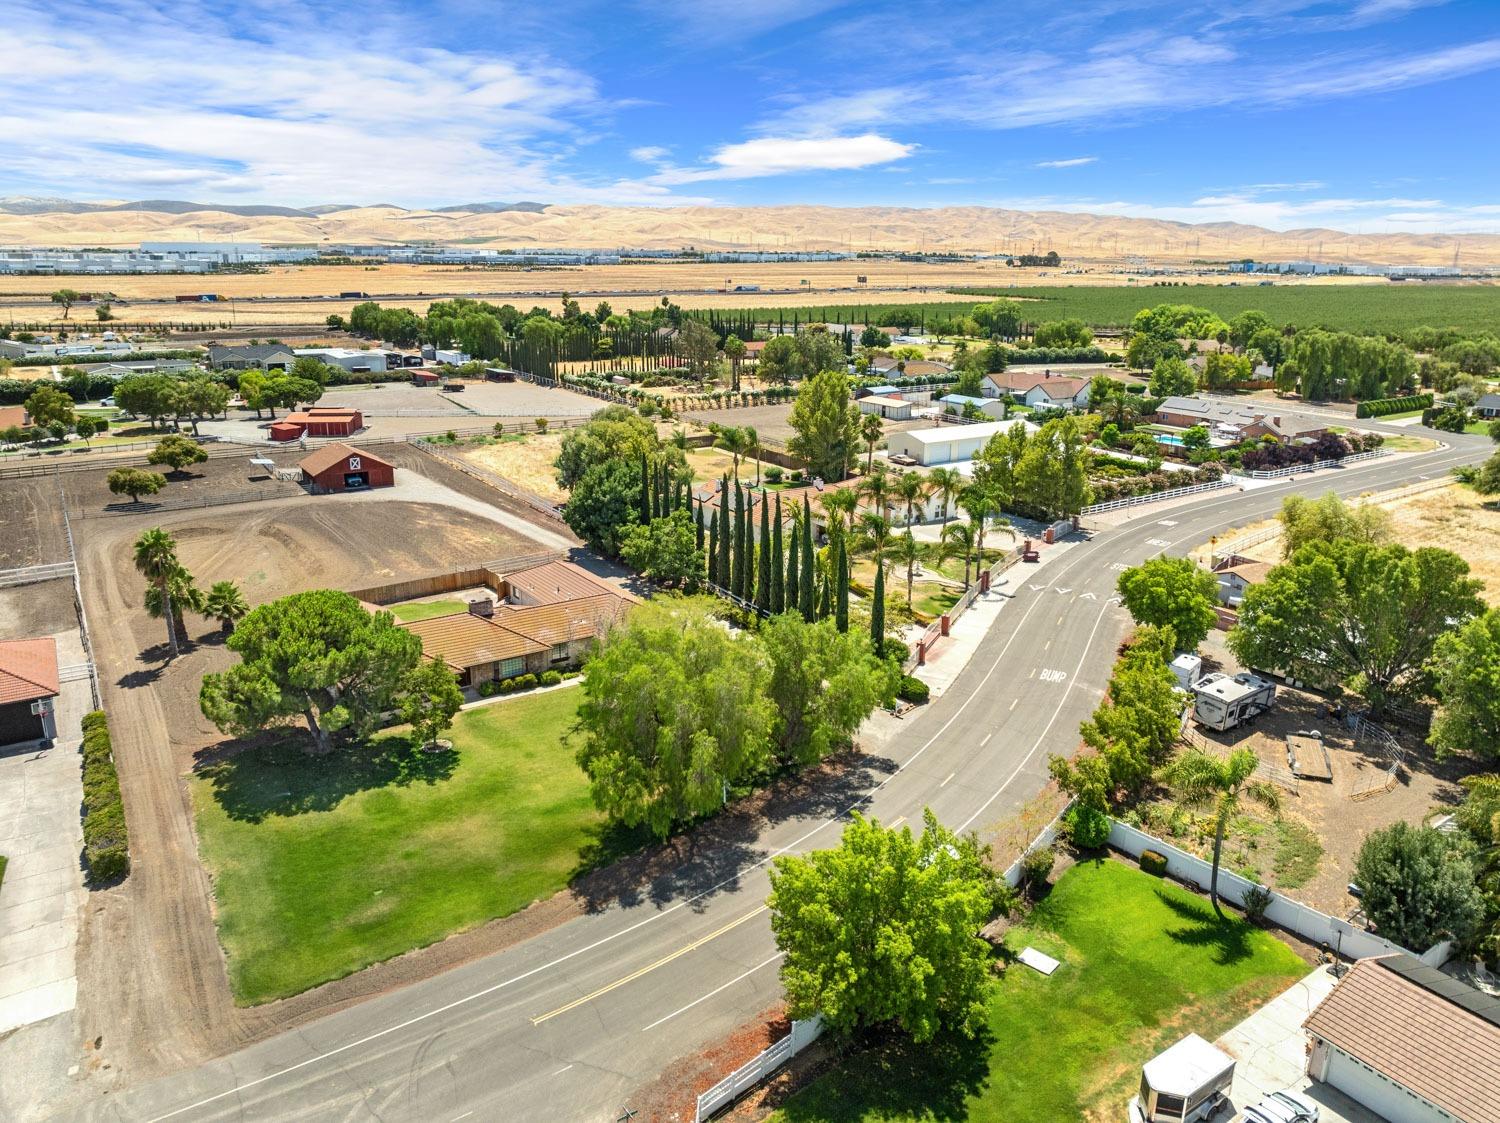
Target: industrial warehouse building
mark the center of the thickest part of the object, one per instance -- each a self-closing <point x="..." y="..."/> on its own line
<point x="340" y="467"/>
<point x="28" y="684"/>
<point x="349" y="358"/>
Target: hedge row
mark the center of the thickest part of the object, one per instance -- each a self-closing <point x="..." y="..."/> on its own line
<point x="1379" y="407"/>
<point x="106" y="846"/>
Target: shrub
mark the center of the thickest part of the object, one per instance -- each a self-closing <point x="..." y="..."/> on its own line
<point x="106" y="846"/>
<point x="1036" y="867"/>
<point x="913" y="690"/>
<point x="773" y="474"/>
<point x="486" y="689"/>
<point x="1088" y="827"/>
<point x="1154" y="862"/>
<point x="523" y="682"/>
<point x="1257" y="900"/>
<point x="1379" y="407"/>
<point x="797" y="475"/>
<point x="550" y="678"/>
<point x="506" y="686"/>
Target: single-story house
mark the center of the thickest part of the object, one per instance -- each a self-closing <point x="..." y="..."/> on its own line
<point x="1408" y="1042"/>
<point x="1240" y="419"/>
<point x="349" y="358"/>
<point x="947" y="444"/>
<point x="1038" y="389"/>
<point x="144" y="366"/>
<point x="340" y="467"/>
<point x="319" y="421"/>
<point x="28" y="684"/>
<point x="888" y="406"/>
<point x="990" y="407"/>
<point x="14" y="417"/>
<point x="255" y="356"/>
<point x="1236" y="574"/>
<point x="546" y="616"/>
<point x="1488" y="406"/>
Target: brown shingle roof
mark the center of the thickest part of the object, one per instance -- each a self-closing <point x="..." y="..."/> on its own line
<point x="1022" y="381"/>
<point x="334" y="453"/>
<point x="464" y="640"/>
<point x="1253" y="572"/>
<point x="1416" y="1038"/>
<point x="558" y="581"/>
<point x="28" y="670"/>
<point x="553" y="624"/>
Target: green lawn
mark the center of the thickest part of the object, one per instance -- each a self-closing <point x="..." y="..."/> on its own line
<point x="1144" y="963"/>
<point x="322" y="866"/>
<point x="426" y="609"/>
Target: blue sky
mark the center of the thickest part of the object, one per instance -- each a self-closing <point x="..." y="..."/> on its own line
<point x="1367" y="115"/>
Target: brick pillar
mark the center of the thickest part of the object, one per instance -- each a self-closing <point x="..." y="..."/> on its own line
<point x="944" y="624"/>
<point x="984" y="580"/>
<point x="921" y="652"/>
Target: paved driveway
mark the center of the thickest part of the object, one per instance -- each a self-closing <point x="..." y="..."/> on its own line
<point x="1271" y="1050"/>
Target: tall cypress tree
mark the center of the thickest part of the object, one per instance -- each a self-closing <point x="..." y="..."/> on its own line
<point x="741" y="555"/>
<point x="778" y="585"/>
<point x="763" y="570"/>
<point x="793" y="600"/>
<point x="877" y="612"/>
<point x="722" y="569"/>
<point x="841" y="588"/>
<point x="698" y="523"/>
<point x="645" y="490"/>
<point x="713" y="547"/>
<point x="747" y="548"/>
<point x="825" y="597"/>
<point x="808" y="591"/>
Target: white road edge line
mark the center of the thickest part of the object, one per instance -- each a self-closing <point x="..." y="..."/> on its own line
<point x="716" y="990"/>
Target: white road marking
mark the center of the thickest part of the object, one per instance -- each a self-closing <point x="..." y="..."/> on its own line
<point x="1014" y="702"/>
<point x="1087" y="596"/>
<point x="1157" y="542"/>
<point x="466" y="1114"/>
<point x="710" y="994"/>
<point x="1119" y="567"/>
<point x="1064" y="592"/>
<point x="988" y="735"/>
<point x="559" y="1072"/>
<point x="1038" y="588"/>
<point x="944" y="784"/>
<point x="1166" y="522"/>
<point x="1051" y="675"/>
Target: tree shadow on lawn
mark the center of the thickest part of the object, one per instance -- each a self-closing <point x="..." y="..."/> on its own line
<point x="893" y="1077"/>
<point x="1229" y="937"/>
<point x="279" y="777"/>
<point x="620" y="866"/>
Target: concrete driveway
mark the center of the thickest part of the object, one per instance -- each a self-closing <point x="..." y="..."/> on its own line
<point x="1270" y="1049"/>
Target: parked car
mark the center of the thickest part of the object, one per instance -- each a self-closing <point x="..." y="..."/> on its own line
<point x="110" y="402"/>
<point x="1283" y="1107"/>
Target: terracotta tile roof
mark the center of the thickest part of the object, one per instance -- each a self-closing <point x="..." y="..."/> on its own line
<point x="1415" y="1037"/>
<point x="28" y="669"/>
<point x="464" y="640"/>
<point x="13" y="417"/>
<point x="558" y="581"/>
<point x="334" y="453"/>
<point x="553" y="624"/>
<point x="1022" y="381"/>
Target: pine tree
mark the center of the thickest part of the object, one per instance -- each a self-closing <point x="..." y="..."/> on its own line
<point x="793" y="555"/>
<point x="713" y="548"/>
<point x="763" y="570"/>
<point x="841" y="590"/>
<point x="877" y="611"/>
<point x="808" y="591"/>
<point x="778" y="584"/>
<point x="645" y="491"/>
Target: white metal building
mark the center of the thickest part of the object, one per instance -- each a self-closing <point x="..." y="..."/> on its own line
<point x="891" y="408"/>
<point x="947" y="444"/>
<point x="350" y="358"/>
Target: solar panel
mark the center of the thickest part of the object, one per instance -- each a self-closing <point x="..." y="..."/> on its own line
<point x="1461" y="994"/>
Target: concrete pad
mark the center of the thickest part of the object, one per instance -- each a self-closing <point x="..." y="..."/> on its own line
<point x="46" y="859"/>
<point x="37" y="1004"/>
<point x="51" y="909"/>
<point x="16" y="948"/>
<point x="21" y="890"/>
<point x="38" y="971"/>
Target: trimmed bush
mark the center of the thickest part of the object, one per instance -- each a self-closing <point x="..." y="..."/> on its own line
<point x="486" y="689"/>
<point x="913" y="690"/>
<point x="1036" y="867"/>
<point x="106" y="846"/>
<point x="1379" y="407"/>
<point x="550" y="678"/>
<point x="1154" y="863"/>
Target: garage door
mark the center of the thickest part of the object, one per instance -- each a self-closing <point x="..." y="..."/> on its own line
<point x="1380" y="1095"/>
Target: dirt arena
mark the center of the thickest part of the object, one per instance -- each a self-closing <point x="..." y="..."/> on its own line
<point x="31" y="524"/>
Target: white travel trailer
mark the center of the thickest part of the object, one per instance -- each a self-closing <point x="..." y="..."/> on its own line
<point x="1222" y="702"/>
<point x="1187" y="1083"/>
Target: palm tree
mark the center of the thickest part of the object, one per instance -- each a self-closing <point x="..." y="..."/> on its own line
<point x="181" y="595"/>
<point x="875" y="530"/>
<point x="752" y="445"/>
<point x="877" y="485"/>
<point x="908" y="551"/>
<point x="947" y="482"/>
<point x="840" y="504"/>
<point x="156" y="561"/>
<point x="1210" y="781"/>
<point x="911" y="489"/>
<point x="733" y="441"/>
<point x="958" y="540"/>
<point x="226" y="604"/>
<point x="870" y="429"/>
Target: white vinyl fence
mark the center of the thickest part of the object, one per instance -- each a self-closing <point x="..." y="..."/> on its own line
<point x="1347" y="940"/>
<point x="748" y="1075"/>
<point x="1154" y="497"/>
<point x="1294" y="469"/>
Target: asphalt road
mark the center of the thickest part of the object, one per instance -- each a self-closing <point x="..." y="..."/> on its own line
<point x="567" y="1025"/>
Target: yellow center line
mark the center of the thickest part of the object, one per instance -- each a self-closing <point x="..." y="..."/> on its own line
<point x="662" y="962"/>
<point x="899" y="820"/>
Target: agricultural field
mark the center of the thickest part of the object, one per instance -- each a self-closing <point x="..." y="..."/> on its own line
<point x="1143" y="962"/>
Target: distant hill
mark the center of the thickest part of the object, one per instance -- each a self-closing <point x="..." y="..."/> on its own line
<point x="521" y="225"/>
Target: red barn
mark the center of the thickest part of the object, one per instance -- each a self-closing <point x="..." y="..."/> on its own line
<point x="328" y="421"/>
<point x="340" y="467"/>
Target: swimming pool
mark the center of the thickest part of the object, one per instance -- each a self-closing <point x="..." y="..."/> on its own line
<point x="1168" y="439"/>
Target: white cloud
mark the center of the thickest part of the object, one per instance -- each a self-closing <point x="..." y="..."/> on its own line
<point x="780" y="155"/>
<point x="650" y="153"/>
<point x="1074" y="162"/>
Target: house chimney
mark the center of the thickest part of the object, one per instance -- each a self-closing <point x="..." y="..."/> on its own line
<point x="482" y="607"/>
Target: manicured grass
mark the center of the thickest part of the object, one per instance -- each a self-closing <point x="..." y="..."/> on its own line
<point x="936" y="603"/>
<point x="323" y="866"/>
<point x="1144" y="963"/>
<point x="426" y="609"/>
<point x="1405" y="443"/>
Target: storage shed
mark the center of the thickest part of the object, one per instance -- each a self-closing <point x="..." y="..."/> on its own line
<point x="28" y="685"/>
<point x="341" y="467"/>
<point x="328" y="421"/>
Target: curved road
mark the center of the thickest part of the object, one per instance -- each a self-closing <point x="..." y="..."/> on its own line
<point x="566" y="1025"/>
